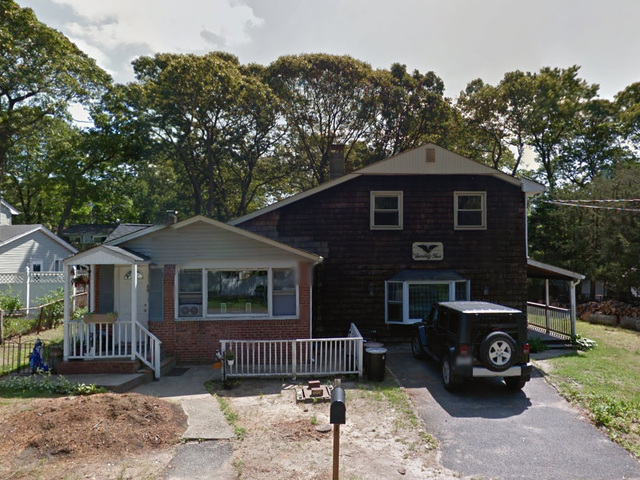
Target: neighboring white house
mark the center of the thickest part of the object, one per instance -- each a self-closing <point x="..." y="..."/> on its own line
<point x="30" y="258"/>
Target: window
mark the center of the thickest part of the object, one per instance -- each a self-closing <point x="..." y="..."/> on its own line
<point x="386" y="210"/>
<point x="99" y="238"/>
<point x="36" y="265"/>
<point x="75" y="238"/>
<point x="470" y="210"/>
<point x="268" y="292"/>
<point x="411" y="301"/>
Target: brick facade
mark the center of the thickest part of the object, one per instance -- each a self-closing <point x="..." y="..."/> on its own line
<point x="196" y="341"/>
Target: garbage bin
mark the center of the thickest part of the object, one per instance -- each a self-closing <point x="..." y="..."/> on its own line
<point x="367" y="346"/>
<point x="377" y="364"/>
<point x="55" y="356"/>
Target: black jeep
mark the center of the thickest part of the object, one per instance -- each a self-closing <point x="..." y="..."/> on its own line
<point x="475" y="339"/>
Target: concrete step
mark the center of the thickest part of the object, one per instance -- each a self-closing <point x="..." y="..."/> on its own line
<point x="167" y="365"/>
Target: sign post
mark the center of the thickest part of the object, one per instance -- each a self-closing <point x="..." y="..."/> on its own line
<point x="337" y="417"/>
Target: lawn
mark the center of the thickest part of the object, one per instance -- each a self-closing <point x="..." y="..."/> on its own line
<point x="605" y="381"/>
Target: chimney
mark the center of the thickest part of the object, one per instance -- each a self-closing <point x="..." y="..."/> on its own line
<point x="172" y="217"/>
<point x="336" y="161"/>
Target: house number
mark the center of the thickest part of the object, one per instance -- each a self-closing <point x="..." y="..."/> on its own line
<point x="428" y="251"/>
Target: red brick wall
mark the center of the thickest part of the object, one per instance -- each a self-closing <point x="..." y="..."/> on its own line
<point x="197" y="341"/>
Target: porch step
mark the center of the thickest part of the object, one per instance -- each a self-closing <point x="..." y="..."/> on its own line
<point x="166" y="365"/>
<point x="76" y="367"/>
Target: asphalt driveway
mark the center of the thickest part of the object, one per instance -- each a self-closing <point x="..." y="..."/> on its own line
<point x="487" y="431"/>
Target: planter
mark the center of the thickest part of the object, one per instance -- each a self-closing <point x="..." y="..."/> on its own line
<point x="100" y="317"/>
<point x="230" y="362"/>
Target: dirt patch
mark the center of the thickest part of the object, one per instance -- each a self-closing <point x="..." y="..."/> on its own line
<point x="379" y="440"/>
<point x="107" y="429"/>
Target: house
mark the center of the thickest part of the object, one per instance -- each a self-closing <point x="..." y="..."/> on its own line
<point x="83" y="236"/>
<point x="30" y="258"/>
<point x="189" y="285"/>
<point x="424" y="226"/>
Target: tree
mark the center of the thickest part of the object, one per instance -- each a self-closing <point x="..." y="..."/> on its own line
<point x="41" y="73"/>
<point x="410" y="110"/>
<point x="326" y="99"/>
<point x="217" y="123"/>
<point x="559" y="96"/>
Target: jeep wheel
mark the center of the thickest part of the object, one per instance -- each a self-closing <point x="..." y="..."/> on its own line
<point x="498" y="351"/>
<point x="450" y="381"/>
<point x="515" y="383"/>
<point x="416" y="348"/>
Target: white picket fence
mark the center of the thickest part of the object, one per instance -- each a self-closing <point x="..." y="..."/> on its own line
<point x="290" y="358"/>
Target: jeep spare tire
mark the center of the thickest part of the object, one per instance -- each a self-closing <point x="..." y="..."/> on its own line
<point x="498" y="351"/>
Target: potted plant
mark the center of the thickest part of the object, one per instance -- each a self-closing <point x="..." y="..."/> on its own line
<point x="230" y="357"/>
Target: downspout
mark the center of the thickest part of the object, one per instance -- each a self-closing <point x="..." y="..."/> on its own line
<point x="311" y="296"/>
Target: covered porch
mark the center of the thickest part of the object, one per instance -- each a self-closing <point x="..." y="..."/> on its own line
<point x="553" y="320"/>
<point x="116" y="325"/>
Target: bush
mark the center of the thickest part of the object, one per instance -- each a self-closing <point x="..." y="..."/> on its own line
<point x="584" y="343"/>
<point x="43" y="383"/>
<point x="10" y="302"/>
<point x="52" y="314"/>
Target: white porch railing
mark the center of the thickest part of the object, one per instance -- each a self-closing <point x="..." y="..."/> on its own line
<point x="550" y="319"/>
<point x="290" y="358"/>
<point x="92" y="341"/>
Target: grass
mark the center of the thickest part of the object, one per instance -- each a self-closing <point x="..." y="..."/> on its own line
<point x="12" y="360"/>
<point x="605" y="381"/>
<point x="228" y="413"/>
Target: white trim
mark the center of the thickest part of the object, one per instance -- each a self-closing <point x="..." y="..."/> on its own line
<point x="405" y="297"/>
<point x="372" y="209"/>
<point x="556" y="270"/>
<point x="11" y="209"/>
<point x="259" y="316"/>
<point x="483" y="210"/>
<point x="119" y="255"/>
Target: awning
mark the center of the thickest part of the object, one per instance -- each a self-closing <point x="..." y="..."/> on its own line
<point x="427" y="276"/>
<point x="537" y="269"/>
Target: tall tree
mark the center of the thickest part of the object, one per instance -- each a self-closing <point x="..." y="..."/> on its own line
<point x="327" y="99"/>
<point x="217" y="123"/>
<point x="410" y="110"/>
<point x="41" y="73"/>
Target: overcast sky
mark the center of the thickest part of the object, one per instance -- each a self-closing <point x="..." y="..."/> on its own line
<point x="459" y="40"/>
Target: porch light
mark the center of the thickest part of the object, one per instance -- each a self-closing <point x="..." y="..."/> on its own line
<point x="127" y="276"/>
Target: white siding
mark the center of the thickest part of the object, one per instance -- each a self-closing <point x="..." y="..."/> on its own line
<point x="16" y="255"/>
<point x="201" y="243"/>
<point x="5" y="215"/>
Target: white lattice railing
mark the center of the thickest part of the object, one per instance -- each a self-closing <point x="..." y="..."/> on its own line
<point x="112" y="341"/>
<point x="33" y="277"/>
<point x="290" y="358"/>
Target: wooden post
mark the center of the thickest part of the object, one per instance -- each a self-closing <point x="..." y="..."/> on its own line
<point x="336" y="451"/>
<point x="134" y="309"/>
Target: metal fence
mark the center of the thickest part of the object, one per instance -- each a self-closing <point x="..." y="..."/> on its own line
<point x="15" y="354"/>
<point x="290" y="358"/>
<point x="550" y="320"/>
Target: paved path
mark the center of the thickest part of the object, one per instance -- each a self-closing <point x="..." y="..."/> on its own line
<point x="487" y="431"/>
<point x="207" y="453"/>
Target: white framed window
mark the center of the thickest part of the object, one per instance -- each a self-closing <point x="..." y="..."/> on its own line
<point x="36" y="265"/>
<point x="410" y="302"/>
<point x="386" y="210"/>
<point x="470" y="210"/>
<point x="237" y="293"/>
<point x="75" y="238"/>
<point x="99" y="238"/>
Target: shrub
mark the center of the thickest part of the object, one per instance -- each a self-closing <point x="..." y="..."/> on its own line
<point x="52" y="314"/>
<point x="43" y="383"/>
<point x="10" y="302"/>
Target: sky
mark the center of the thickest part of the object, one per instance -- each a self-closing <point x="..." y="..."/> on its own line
<point x="460" y="40"/>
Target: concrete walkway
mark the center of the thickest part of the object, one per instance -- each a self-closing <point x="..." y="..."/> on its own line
<point x="206" y="453"/>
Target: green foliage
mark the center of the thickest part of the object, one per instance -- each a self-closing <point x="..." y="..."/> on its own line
<point x="45" y="384"/>
<point x="52" y="314"/>
<point x="584" y="344"/>
<point x="537" y="345"/>
<point x="14" y="326"/>
<point x="10" y="302"/>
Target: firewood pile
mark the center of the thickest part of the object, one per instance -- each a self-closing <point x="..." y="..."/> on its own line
<point x="610" y="307"/>
<point x="611" y="312"/>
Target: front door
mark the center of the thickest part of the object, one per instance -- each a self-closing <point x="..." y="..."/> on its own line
<point x="123" y="292"/>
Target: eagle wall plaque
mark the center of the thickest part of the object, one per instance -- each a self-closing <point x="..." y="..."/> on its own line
<point x="428" y="251"/>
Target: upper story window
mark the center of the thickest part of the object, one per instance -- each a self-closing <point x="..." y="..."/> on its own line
<point x="386" y="210"/>
<point x="470" y="210"/>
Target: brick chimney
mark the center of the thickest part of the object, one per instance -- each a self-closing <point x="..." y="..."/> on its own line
<point x="172" y="217"/>
<point x="336" y="161"/>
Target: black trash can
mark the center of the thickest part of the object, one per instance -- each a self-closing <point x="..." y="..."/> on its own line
<point x="377" y="364"/>
<point x="55" y="357"/>
<point x="367" y="346"/>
